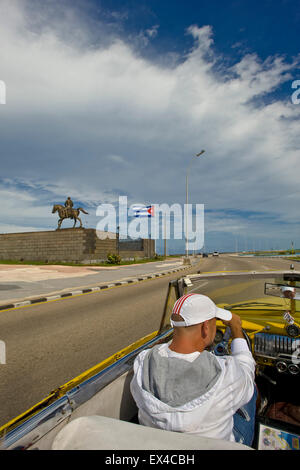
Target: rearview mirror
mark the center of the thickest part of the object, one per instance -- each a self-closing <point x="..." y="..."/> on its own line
<point x="283" y="291"/>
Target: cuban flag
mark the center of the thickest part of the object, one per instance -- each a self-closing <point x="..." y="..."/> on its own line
<point x="141" y="211"/>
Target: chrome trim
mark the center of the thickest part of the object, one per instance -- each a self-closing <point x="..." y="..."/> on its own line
<point x="247" y="274"/>
<point x="34" y="428"/>
<point x="294" y="369"/>
<point x="279" y="364"/>
<point x="274" y="345"/>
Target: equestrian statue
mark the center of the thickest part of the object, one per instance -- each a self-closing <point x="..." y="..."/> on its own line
<point x="67" y="212"/>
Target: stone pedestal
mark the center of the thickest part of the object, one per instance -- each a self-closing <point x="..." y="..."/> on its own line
<point x="65" y="245"/>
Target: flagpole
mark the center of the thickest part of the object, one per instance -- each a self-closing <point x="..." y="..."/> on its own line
<point x="186" y="215"/>
<point x="165" y="237"/>
<point x="186" y="207"/>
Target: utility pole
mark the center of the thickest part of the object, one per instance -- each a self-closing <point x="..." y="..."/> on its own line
<point x="165" y="237"/>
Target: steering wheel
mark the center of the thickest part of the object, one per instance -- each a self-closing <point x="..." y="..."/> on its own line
<point x="222" y="349"/>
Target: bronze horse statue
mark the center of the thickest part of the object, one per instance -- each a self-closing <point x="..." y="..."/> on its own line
<point x="68" y="213"/>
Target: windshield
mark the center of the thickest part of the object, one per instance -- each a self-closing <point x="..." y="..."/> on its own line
<point x="245" y="293"/>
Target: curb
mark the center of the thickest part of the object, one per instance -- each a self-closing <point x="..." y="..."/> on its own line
<point x="38" y="300"/>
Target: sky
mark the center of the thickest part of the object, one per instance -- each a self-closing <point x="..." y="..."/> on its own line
<point x="110" y="98"/>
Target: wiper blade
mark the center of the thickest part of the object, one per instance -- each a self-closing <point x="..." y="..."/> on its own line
<point x="247" y="304"/>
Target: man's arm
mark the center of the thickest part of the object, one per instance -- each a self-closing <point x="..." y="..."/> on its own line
<point x="243" y="367"/>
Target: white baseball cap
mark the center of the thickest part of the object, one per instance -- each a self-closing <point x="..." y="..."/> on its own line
<point x="197" y="308"/>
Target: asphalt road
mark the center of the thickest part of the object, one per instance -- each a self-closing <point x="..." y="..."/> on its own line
<point x="49" y="344"/>
<point x="28" y="281"/>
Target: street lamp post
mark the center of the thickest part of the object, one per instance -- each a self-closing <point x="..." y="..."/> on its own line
<point x="186" y="207"/>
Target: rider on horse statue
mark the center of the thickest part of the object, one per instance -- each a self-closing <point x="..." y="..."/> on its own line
<point x="68" y="212"/>
<point x="69" y="205"/>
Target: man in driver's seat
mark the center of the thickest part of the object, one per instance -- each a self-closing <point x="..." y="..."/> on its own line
<point x="183" y="387"/>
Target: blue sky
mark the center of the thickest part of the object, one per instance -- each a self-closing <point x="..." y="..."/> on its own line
<point x="109" y="98"/>
<point x="266" y="27"/>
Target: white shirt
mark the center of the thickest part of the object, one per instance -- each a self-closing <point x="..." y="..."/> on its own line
<point x="209" y="415"/>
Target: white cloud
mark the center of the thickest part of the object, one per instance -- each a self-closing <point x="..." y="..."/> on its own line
<point x="152" y="32"/>
<point x="93" y="118"/>
<point x="118" y="159"/>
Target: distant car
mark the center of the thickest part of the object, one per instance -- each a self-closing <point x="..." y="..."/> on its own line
<point x="215" y="253"/>
<point x="204" y="255"/>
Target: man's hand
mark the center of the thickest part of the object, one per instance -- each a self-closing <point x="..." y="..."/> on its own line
<point x="235" y="324"/>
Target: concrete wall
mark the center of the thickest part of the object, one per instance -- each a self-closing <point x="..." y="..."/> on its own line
<point x="69" y="245"/>
<point x="126" y="249"/>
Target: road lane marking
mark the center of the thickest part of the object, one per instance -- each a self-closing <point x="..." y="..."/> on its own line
<point x="84" y="291"/>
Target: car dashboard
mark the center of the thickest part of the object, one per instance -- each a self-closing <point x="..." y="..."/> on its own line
<point x="279" y="351"/>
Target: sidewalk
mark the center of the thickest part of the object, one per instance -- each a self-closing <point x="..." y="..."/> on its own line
<point x="25" y="284"/>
